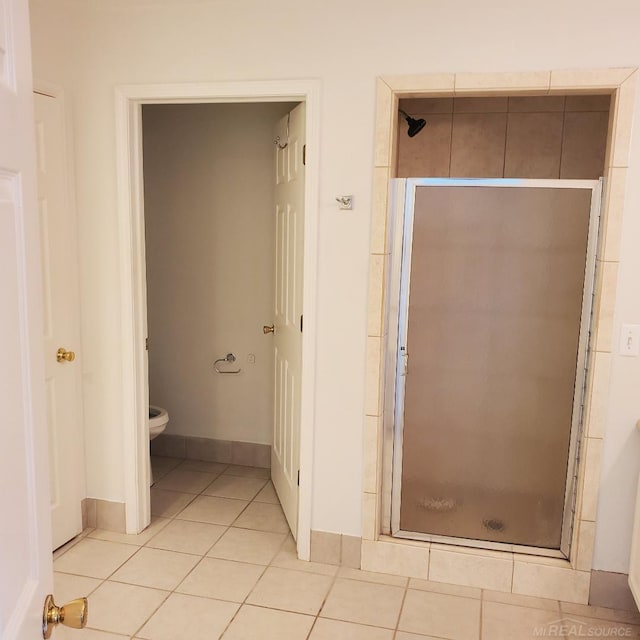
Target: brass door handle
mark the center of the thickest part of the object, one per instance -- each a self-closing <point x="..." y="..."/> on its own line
<point x="73" y="614"/>
<point x="268" y="329"/>
<point x="62" y="355"/>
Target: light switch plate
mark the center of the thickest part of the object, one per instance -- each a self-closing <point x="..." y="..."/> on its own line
<point x="630" y="340"/>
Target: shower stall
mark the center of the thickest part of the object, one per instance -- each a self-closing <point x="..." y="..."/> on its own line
<point x="489" y="312"/>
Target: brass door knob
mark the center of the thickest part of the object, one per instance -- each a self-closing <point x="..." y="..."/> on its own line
<point x="73" y="614"/>
<point x="268" y="329"/>
<point x="62" y="355"/>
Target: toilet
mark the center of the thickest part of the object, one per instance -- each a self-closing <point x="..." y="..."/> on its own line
<point x="158" y="419"/>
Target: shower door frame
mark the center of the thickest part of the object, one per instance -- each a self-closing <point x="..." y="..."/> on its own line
<point x="401" y="207"/>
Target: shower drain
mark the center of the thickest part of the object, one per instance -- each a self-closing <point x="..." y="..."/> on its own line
<point x="493" y="524"/>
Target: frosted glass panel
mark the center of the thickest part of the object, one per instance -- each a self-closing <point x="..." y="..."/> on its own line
<point x="494" y="312"/>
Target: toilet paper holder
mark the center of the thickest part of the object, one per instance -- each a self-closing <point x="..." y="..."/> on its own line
<point x="228" y="358"/>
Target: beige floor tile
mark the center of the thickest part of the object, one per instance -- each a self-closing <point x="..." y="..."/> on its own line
<point x="167" y="504"/>
<point x="66" y="633"/>
<point x="185" y="481"/>
<point x="569" y="609"/>
<point x="505" y="621"/>
<point x="248" y="472"/>
<point x="290" y="590"/>
<point x="441" y="615"/>
<point x="226" y="486"/>
<point x="253" y="623"/>
<point x="213" y="510"/>
<point x="325" y="629"/>
<point x="247" y="545"/>
<point x="122" y="608"/>
<point x="221" y="579"/>
<point x="403" y="635"/>
<point x="139" y="539"/>
<point x="201" y="465"/>
<point x="365" y="603"/>
<point x="161" y="465"/>
<point x="263" y="517"/>
<point x="287" y="558"/>
<point x="443" y="587"/>
<point x="71" y="543"/>
<point x="576" y="627"/>
<point x="372" y="576"/>
<point x="268" y="494"/>
<point x="68" y="587"/>
<point x="94" y="558"/>
<point x="187" y="536"/>
<point x="156" y="568"/>
<point x="183" y="617"/>
<point x="520" y="601"/>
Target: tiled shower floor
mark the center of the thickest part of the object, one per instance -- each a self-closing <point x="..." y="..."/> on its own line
<point x="217" y="561"/>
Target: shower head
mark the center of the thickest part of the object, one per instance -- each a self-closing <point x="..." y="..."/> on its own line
<point x="415" y="126"/>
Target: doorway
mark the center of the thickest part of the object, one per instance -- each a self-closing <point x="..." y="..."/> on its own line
<point x="129" y="114"/>
<point x="224" y="218"/>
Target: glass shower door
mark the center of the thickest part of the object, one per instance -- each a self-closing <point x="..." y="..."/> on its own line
<point x="493" y="329"/>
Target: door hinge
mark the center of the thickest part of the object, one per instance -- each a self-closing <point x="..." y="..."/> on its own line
<point x="405" y="361"/>
<point x="304" y="155"/>
<point x="301" y="323"/>
<point x="298" y="477"/>
<point x="146" y="344"/>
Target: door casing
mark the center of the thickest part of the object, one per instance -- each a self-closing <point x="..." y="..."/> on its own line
<point x="134" y="392"/>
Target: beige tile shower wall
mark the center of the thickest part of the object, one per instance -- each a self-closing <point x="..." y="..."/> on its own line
<point x="532" y="575"/>
<point x="506" y="137"/>
<point x="210" y="240"/>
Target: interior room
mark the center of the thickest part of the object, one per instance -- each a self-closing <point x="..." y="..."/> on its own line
<point x="210" y="239"/>
<point x="166" y="285"/>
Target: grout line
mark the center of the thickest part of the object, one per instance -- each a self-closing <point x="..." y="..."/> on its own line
<point x="153" y="613"/>
<point x="315" y="621"/>
<point x="404" y="597"/>
<point x="451" y="142"/>
<point x="506" y="141"/>
<point x="324" y="601"/>
<point x="564" y="120"/>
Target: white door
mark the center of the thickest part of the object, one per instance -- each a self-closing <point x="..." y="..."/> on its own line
<point x="61" y="320"/>
<point x="288" y="324"/>
<point x="25" y="526"/>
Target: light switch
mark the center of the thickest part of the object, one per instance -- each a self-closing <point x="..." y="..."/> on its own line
<point x="630" y="340"/>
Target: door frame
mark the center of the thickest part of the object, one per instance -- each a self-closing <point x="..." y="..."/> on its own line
<point x="128" y="102"/>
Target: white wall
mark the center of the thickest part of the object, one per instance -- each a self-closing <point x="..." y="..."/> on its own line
<point x="92" y="46"/>
<point x="209" y="217"/>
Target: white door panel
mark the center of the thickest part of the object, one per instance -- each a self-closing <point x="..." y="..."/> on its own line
<point x="25" y="530"/>
<point x="61" y="322"/>
<point x="288" y="311"/>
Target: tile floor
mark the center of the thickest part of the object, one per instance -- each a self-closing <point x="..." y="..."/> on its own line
<point x="217" y="561"/>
